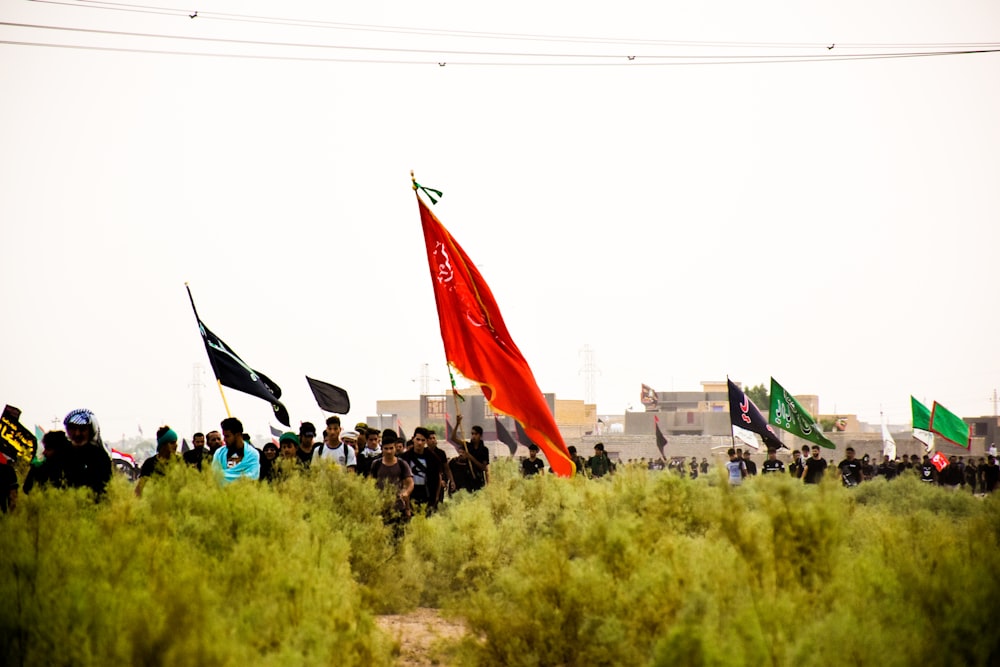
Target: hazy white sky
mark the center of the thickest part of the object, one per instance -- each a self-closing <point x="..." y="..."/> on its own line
<point x="833" y="224"/>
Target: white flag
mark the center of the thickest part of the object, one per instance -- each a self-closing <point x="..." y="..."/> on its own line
<point x="745" y="436"/>
<point x="925" y="437"/>
<point x="888" y="444"/>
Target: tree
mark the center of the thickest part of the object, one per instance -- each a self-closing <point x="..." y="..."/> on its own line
<point x="760" y="397"/>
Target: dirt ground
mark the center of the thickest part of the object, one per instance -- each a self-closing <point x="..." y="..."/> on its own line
<point x="417" y="632"/>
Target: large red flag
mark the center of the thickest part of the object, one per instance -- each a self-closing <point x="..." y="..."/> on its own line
<point x="477" y="344"/>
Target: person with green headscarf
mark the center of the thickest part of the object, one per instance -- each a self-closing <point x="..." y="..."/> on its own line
<point x="166" y="455"/>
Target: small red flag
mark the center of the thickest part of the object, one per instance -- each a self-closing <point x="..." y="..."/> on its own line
<point x="940" y="461"/>
<point x="477" y="344"/>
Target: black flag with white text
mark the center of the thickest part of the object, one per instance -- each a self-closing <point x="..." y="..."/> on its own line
<point x="234" y="373"/>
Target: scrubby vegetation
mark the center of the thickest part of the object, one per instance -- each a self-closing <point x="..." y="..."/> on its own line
<point x="642" y="569"/>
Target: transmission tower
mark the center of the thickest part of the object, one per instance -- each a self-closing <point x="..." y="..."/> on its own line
<point x="589" y="373"/>
<point x="425" y="379"/>
<point x="196" y="386"/>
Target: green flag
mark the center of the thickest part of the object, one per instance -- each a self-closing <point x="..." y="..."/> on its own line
<point x="788" y="415"/>
<point x="922" y="423"/>
<point x="949" y="425"/>
<point x="921" y="415"/>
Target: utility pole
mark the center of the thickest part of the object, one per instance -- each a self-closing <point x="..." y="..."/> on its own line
<point x="589" y="371"/>
<point x="196" y="386"/>
<point x="425" y="379"/>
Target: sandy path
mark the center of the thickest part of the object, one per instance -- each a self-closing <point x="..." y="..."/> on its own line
<point x="416" y="633"/>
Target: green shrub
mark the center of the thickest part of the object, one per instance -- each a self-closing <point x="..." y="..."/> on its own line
<point x="641" y="568"/>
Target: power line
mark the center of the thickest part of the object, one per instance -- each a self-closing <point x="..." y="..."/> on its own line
<point x="615" y="59"/>
<point x="628" y="63"/>
<point x="336" y="25"/>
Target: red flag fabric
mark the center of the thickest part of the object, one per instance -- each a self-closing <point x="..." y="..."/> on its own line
<point x="940" y="461"/>
<point x="477" y="344"/>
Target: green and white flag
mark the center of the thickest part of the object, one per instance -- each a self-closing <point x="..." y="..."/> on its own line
<point x="787" y="414"/>
<point x="888" y="444"/>
<point x="949" y="425"/>
<point x="922" y="424"/>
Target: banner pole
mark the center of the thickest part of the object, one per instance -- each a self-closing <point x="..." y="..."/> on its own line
<point x="224" y="401"/>
<point x="217" y="380"/>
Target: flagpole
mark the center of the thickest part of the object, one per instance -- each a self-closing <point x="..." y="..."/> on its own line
<point x="224" y="401"/>
<point x="217" y="380"/>
<point x="732" y="436"/>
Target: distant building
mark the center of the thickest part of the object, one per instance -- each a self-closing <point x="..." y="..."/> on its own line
<point x="575" y="418"/>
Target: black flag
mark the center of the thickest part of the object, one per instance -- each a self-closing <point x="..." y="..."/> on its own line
<point x="522" y="437"/>
<point x="661" y="440"/>
<point x="504" y="436"/>
<point x="745" y="415"/>
<point x="234" y="373"/>
<point x="329" y="397"/>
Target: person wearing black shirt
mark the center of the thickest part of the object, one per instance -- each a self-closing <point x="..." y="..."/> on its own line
<point x="8" y="485"/>
<point x="952" y="476"/>
<point x="887" y="468"/>
<point x="928" y="473"/>
<point x="426" y="470"/>
<point x="991" y="474"/>
<point x="532" y="465"/>
<point x="86" y="463"/>
<point x="578" y="461"/>
<point x="850" y="469"/>
<point x="369" y="453"/>
<point x="214" y="441"/>
<point x="797" y="467"/>
<point x="198" y="453"/>
<point x="772" y="464"/>
<point x="478" y="456"/>
<point x="307" y="433"/>
<point x="971" y="474"/>
<point x="815" y="467"/>
<point x="166" y="455"/>
<point x="269" y="462"/>
<point x="748" y="463"/>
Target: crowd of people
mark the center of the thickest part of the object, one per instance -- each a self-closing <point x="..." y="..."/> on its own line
<point x="417" y="470"/>
<point x="810" y="466"/>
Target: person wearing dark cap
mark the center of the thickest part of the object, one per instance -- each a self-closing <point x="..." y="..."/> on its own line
<point x="307" y="433"/>
<point x="599" y="464"/>
<point x="532" y="465"/>
<point x="166" y="455"/>
<point x="269" y="462"/>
